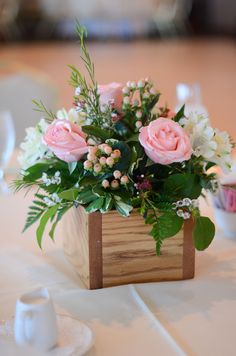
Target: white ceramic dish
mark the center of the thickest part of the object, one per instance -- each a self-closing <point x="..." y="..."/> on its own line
<point x="75" y="337"/>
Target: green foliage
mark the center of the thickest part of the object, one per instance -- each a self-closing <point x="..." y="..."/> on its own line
<point x="97" y="132"/>
<point x="166" y="225"/>
<point x="123" y="208"/>
<point x="49" y="214"/>
<point x="180" y="114"/>
<point x="69" y="194"/>
<point x="40" y="107"/>
<point x="183" y="185"/>
<point x="203" y="232"/>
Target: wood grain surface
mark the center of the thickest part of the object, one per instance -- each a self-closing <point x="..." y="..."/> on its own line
<point x="108" y="249"/>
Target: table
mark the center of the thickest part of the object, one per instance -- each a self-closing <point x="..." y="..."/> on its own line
<point x="195" y="317"/>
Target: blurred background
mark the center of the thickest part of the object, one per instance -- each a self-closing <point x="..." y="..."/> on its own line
<point x="186" y="46"/>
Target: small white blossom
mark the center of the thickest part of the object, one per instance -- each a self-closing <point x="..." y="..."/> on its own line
<point x="77" y="91"/>
<point x="73" y="115"/>
<point x="211" y="144"/>
<point x="52" y="200"/>
<point x="33" y="148"/>
<point x="56" y="179"/>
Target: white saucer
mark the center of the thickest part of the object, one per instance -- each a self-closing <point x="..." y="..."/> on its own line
<point x="75" y="337"/>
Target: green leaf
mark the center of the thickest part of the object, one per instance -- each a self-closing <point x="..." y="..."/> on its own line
<point x="99" y="191"/>
<point x="97" y="132"/>
<point x="70" y="194"/>
<point x="179" y="114"/>
<point x="35" y="172"/>
<point x="95" y="205"/>
<point x="60" y="213"/>
<point x="203" y="232"/>
<point x="43" y="222"/>
<point x="124" y="161"/>
<point x="183" y="185"/>
<point x="88" y="180"/>
<point x="108" y="203"/>
<point x="168" y="224"/>
<point x="72" y="166"/>
<point x="123" y="208"/>
<point x="86" y="196"/>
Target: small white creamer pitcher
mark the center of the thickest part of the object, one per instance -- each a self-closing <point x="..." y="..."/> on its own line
<point x="35" y="320"/>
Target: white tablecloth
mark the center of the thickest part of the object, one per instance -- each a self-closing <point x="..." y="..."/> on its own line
<point x="195" y="317"/>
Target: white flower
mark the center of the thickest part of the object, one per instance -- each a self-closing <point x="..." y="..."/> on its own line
<point x="223" y="149"/>
<point x="212" y="144"/>
<point x="52" y="200"/>
<point x="72" y="115"/>
<point x="77" y="91"/>
<point x="33" y="148"/>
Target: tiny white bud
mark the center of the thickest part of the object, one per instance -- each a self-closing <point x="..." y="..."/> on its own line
<point x="117" y="174"/>
<point x="107" y="150"/>
<point x="110" y="161"/>
<point x="126" y="100"/>
<point x="88" y="164"/>
<point x="141" y="84"/>
<point x="139" y="114"/>
<point x="126" y="90"/>
<point x="105" y="183"/>
<point x="124" y="180"/>
<point x="146" y="95"/>
<point x="186" y="215"/>
<point x="133" y="85"/>
<point x="153" y="91"/>
<point x="102" y="160"/>
<point x="97" y="168"/>
<point x="77" y="91"/>
<point x="138" y="124"/>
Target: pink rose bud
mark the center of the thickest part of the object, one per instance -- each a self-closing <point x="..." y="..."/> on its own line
<point x="66" y="140"/>
<point x="117" y="174"/>
<point x="108" y="150"/>
<point x="97" y="168"/>
<point x="88" y="164"/>
<point x="105" y="183"/>
<point x="111" y="93"/>
<point x="165" y="141"/>
<point x="115" y="184"/>
<point x="110" y="161"/>
<point x="124" y="180"/>
<point x="102" y="160"/>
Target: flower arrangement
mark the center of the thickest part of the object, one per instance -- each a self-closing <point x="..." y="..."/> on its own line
<point x="117" y="149"/>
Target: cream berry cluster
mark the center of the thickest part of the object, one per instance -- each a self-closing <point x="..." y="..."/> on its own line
<point x="101" y="158"/>
<point x="115" y="183"/>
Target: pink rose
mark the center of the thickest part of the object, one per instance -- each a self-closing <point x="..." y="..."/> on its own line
<point x="111" y="94"/>
<point x="66" y="140"/>
<point x="165" y="141"/>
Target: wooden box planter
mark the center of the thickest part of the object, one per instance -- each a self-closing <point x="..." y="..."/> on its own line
<point x="108" y="249"/>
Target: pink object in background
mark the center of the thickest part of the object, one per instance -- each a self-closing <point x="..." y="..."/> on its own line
<point x="229" y="195"/>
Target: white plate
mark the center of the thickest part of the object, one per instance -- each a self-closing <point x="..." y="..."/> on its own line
<point x="75" y="338"/>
